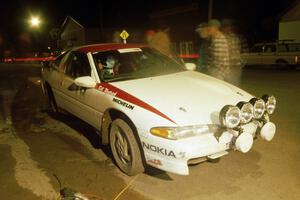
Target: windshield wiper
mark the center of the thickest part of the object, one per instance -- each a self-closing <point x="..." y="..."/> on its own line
<point x="123" y="77"/>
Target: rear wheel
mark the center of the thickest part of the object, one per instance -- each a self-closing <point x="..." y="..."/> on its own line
<point x="282" y="64"/>
<point x="125" y="148"/>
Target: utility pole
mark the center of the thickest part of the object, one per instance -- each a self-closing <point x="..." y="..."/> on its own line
<point x="210" y="8"/>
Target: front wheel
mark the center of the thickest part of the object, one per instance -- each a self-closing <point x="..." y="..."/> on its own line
<point x="125" y="148"/>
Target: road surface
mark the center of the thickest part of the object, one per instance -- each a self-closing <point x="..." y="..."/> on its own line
<point x="38" y="151"/>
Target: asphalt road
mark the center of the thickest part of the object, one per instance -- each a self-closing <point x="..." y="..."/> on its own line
<point x="38" y="147"/>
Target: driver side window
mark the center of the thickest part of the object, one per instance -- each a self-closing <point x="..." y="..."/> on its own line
<point x="77" y="65"/>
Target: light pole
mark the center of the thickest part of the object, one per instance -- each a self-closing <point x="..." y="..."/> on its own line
<point x="35" y="30"/>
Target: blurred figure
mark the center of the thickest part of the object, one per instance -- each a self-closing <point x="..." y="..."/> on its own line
<point x="218" y="51"/>
<point x="25" y="47"/>
<point x="202" y="30"/>
<point x="5" y="48"/>
<point x="116" y="37"/>
<point x="160" y="41"/>
<point x="149" y="35"/>
<point x="8" y="90"/>
<point x="234" y="49"/>
<point x="244" y="44"/>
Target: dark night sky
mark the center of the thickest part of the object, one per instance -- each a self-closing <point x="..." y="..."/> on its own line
<point x="253" y="14"/>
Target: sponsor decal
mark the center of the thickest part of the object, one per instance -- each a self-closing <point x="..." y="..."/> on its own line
<point x="155" y="162"/>
<point x="123" y="103"/>
<point x="159" y="150"/>
<point x="114" y="91"/>
<point x="106" y="90"/>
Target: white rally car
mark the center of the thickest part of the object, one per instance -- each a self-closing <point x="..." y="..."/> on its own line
<point x="151" y="110"/>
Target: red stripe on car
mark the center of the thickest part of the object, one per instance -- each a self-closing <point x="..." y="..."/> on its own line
<point x="108" y="88"/>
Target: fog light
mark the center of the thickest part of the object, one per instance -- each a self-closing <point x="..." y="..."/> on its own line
<point x="244" y="142"/>
<point x="267" y="132"/>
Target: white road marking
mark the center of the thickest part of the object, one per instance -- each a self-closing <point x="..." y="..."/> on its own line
<point x="27" y="173"/>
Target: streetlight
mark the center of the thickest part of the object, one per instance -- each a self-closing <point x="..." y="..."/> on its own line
<point x="35" y="22"/>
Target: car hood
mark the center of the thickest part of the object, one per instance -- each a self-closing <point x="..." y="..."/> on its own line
<point x="186" y="98"/>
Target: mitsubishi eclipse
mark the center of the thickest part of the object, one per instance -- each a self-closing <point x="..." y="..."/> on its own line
<point x="151" y="110"/>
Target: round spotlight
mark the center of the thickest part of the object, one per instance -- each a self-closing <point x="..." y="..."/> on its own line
<point x="270" y="102"/>
<point x="259" y="107"/>
<point x="230" y="116"/>
<point x="246" y="111"/>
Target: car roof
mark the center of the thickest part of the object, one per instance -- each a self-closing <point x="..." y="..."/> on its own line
<point x="265" y="43"/>
<point x="276" y="43"/>
<point x="106" y="47"/>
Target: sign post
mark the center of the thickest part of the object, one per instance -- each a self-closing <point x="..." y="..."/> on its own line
<point x="124" y="35"/>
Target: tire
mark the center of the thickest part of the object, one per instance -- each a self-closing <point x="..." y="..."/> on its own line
<point x="51" y="101"/>
<point x="282" y="64"/>
<point x="125" y="148"/>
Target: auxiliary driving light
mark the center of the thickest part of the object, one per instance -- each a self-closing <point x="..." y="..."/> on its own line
<point x="244" y="142"/>
<point x="259" y="107"/>
<point x="230" y="116"/>
<point x="270" y="102"/>
<point x="246" y="111"/>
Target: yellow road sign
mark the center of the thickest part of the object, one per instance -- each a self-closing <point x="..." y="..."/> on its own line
<point x="124" y="35"/>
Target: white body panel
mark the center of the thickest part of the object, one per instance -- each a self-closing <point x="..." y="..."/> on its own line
<point x="178" y="99"/>
<point x="273" y="54"/>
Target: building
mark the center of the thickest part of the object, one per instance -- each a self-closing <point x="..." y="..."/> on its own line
<point x="289" y="25"/>
<point x="72" y="33"/>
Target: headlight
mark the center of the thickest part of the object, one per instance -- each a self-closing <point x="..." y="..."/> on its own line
<point x="259" y="107"/>
<point x="174" y="133"/>
<point x="270" y="102"/>
<point x="230" y="116"/>
<point x="246" y="111"/>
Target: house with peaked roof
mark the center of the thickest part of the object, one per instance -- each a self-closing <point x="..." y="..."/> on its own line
<point x="72" y="33"/>
<point x="289" y="25"/>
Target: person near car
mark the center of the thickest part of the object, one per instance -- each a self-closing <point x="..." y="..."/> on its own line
<point x="202" y="30"/>
<point x="234" y="50"/>
<point x="8" y="90"/>
<point x="217" y="51"/>
<point x="108" y="67"/>
<point x="159" y="40"/>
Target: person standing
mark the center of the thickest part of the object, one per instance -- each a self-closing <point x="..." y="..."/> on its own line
<point x="161" y="42"/>
<point x="202" y="30"/>
<point x="234" y="49"/>
<point x="218" y="51"/>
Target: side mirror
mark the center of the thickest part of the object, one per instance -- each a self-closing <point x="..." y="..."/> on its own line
<point x="190" y="66"/>
<point x="85" y="81"/>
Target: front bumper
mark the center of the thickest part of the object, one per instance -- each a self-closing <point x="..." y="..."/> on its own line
<point x="176" y="155"/>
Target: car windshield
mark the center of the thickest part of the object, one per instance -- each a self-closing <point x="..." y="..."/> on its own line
<point x="133" y="63"/>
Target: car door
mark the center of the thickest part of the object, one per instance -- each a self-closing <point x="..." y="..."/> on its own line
<point x="254" y="57"/>
<point x="54" y="76"/>
<point x="268" y="57"/>
<point x="79" y="101"/>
